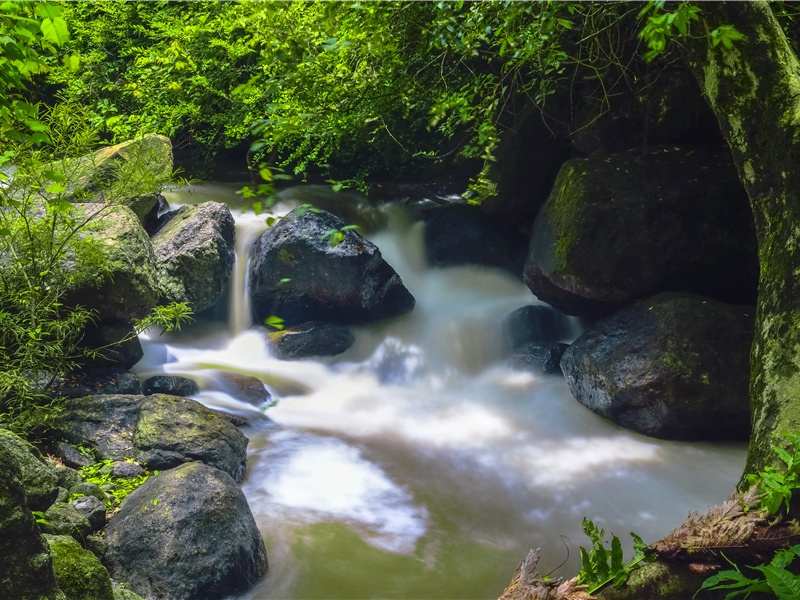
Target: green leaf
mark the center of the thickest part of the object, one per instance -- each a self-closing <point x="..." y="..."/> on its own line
<point x="55" y="30"/>
<point x="274" y="322"/>
<point x="784" y="584"/>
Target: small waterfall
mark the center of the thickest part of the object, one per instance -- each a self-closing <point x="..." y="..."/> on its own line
<point x="419" y="463"/>
<point x="248" y="227"/>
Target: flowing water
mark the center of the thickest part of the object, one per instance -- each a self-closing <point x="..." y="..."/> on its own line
<point x="418" y="464"/>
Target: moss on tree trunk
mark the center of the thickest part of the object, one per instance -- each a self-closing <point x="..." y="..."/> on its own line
<point x="754" y="90"/>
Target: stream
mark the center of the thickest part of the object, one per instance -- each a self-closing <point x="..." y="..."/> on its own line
<point x="418" y="464"/>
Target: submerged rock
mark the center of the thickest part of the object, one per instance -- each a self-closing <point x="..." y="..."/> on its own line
<point x="172" y="544"/>
<point x="314" y="338"/>
<point x="534" y="324"/>
<point x="621" y="227"/>
<point x="194" y="251"/>
<point x="174" y="385"/>
<point x="244" y="387"/>
<point x="539" y="358"/>
<point x="297" y="275"/>
<point x="674" y="366"/>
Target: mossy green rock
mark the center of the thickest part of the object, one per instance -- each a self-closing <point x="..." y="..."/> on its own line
<point x="173" y="430"/>
<point x="64" y="519"/>
<point x="26" y="571"/>
<point x="195" y="254"/>
<point x="79" y="573"/>
<point x="130" y="287"/>
<point x="620" y="227"/>
<point x="185" y="534"/>
<point x="37" y="477"/>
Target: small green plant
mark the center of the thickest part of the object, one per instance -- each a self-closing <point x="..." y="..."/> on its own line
<point x="601" y="565"/>
<point x="100" y="475"/>
<point x="274" y="322"/>
<point x="336" y="236"/>
<point x="39" y="517"/>
<point x="775" y="485"/>
<point x="774" y="578"/>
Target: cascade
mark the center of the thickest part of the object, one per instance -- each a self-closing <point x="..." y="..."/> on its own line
<point x="418" y="463"/>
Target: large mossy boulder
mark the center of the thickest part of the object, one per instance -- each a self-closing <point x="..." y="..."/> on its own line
<point x="128" y="287"/>
<point x="26" y="571"/>
<point x="621" y="227"/>
<point x="38" y="479"/>
<point x="78" y="572"/>
<point x="674" y="366"/>
<point x="130" y="173"/>
<point x="186" y="533"/>
<point x="297" y="274"/>
<point x="194" y="250"/>
<point x="160" y="431"/>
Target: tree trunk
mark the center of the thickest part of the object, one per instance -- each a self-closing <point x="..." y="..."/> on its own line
<point x="754" y="90"/>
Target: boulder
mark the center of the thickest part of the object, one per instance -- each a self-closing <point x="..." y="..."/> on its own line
<point x="173" y="385"/>
<point x="314" y="338"/>
<point x="463" y="235"/>
<point x="130" y="173"/>
<point x="186" y="533"/>
<point x="26" y="572"/>
<point x="539" y="358"/>
<point x="37" y="478"/>
<point x="194" y="250"/>
<point x="173" y="430"/>
<point x="78" y="572"/>
<point x="65" y="519"/>
<point x="534" y="324"/>
<point x="129" y="288"/>
<point x="118" y="345"/>
<point x="98" y="381"/>
<point x="160" y="431"/>
<point x="298" y="275"/>
<point x="93" y="509"/>
<point x="621" y="227"/>
<point x="674" y="366"/>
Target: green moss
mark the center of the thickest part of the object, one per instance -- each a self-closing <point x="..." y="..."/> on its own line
<point x="78" y="572"/>
<point x="287" y="257"/>
<point x="564" y="211"/>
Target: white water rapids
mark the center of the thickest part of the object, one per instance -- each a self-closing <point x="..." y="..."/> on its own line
<point x="418" y="464"/>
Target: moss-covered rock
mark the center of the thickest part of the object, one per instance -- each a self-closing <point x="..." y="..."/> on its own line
<point x="26" y="571"/>
<point x="186" y="533"/>
<point x="173" y="430"/>
<point x="64" y="519"/>
<point x="194" y="250"/>
<point x="621" y="227"/>
<point x="38" y="479"/>
<point x="79" y="573"/>
<point x="129" y="288"/>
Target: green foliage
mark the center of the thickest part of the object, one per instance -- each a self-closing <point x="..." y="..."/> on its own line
<point x="100" y="475"/>
<point x="274" y="322"/>
<point x="601" y="565"/>
<point x="775" y="486"/>
<point x="336" y="236"/>
<point x="775" y="578"/>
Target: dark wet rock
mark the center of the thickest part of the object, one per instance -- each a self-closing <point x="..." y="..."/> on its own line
<point x="537" y="324"/>
<point x="103" y="423"/>
<point x="72" y="457"/>
<point x="621" y="227"/>
<point x="123" y="469"/>
<point x="37" y="478"/>
<point x="463" y="235"/>
<point x="539" y="358"/>
<point x="100" y="382"/>
<point x="84" y="488"/>
<point x="195" y="251"/>
<point x="173" y="385"/>
<point x="91" y="508"/>
<point x="26" y="572"/>
<point x="245" y="388"/>
<point x="297" y="275"/>
<point x="121" y="348"/>
<point x="160" y="431"/>
<point x="65" y="519"/>
<point x="674" y="366"/>
<point x="78" y="572"/>
<point x="174" y="545"/>
<point x="349" y="205"/>
<point x="173" y="430"/>
<point x="314" y="338"/>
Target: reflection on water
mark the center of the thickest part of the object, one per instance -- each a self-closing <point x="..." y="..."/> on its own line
<point x="419" y="465"/>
